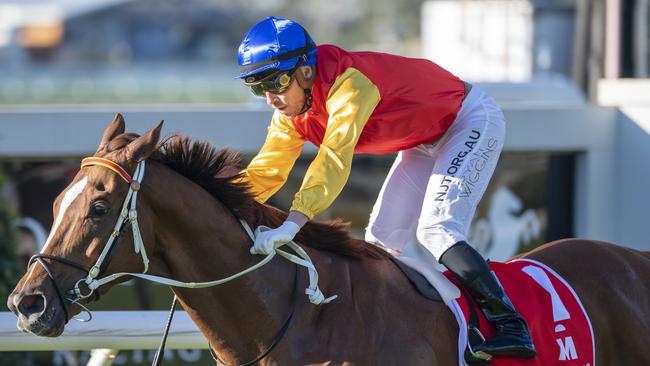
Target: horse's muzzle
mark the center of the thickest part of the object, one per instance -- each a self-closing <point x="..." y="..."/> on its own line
<point x="37" y="314"/>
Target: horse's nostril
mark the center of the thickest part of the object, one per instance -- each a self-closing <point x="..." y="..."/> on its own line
<point x="31" y="304"/>
<point x="10" y="304"/>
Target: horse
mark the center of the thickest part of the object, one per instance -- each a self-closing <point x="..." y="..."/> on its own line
<point x="190" y="204"/>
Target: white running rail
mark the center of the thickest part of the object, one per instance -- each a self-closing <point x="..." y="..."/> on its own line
<point x="119" y="330"/>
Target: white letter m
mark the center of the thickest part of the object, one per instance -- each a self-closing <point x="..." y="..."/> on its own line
<point x="567" y="349"/>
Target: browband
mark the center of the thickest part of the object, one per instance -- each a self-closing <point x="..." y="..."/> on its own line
<point x="107" y="164"/>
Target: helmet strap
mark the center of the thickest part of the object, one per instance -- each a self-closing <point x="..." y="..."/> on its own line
<point x="308" y="100"/>
<point x="306" y="85"/>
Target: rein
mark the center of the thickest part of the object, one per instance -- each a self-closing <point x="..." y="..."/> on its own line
<point x="278" y="336"/>
<point x="129" y="217"/>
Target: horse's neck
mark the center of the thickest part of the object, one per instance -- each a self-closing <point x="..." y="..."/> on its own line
<point x="204" y="241"/>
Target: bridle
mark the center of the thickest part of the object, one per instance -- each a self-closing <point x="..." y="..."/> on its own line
<point x="39" y="258"/>
<point x="129" y="217"/>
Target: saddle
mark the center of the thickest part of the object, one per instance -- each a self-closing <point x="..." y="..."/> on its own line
<point x="418" y="281"/>
<point x="418" y="265"/>
<point x="559" y="325"/>
<point x="426" y="288"/>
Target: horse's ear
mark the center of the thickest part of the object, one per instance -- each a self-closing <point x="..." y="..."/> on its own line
<point x="140" y="148"/>
<point x="113" y="129"/>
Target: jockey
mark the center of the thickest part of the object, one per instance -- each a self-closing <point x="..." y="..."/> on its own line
<point x="448" y="135"/>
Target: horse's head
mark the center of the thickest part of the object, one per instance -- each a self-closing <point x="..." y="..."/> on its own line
<point x="84" y="236"/>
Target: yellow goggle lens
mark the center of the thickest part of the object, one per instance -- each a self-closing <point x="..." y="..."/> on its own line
<point x="284" y="80"/>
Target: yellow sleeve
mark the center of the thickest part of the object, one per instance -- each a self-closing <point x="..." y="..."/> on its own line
<point x="350" y="102"/>
<point x="270" y="168"/>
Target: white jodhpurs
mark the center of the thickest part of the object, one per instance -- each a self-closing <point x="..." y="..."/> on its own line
<point x="432" y="190"/>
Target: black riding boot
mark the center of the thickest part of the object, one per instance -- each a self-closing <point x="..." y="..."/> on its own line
<point x="471" y="270"/>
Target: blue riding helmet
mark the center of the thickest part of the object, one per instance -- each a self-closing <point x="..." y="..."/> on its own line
<point x="274" y="44"/>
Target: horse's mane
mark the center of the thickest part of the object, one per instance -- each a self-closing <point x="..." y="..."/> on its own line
<point x="218" y="171"/>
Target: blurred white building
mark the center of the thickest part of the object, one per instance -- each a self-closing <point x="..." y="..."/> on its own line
<point x="551" y="49"/>
<point x="490" y="40"/>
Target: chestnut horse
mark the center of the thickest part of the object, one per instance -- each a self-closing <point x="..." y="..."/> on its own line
<point x="188" y="210"/>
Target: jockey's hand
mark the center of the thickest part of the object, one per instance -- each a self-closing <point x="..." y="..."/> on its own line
<point x="267" y="241"/>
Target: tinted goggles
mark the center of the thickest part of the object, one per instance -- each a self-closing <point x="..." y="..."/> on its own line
<point x="276" y="83"/>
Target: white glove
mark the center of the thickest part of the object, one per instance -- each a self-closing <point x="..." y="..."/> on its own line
<point x="267" y="241"/>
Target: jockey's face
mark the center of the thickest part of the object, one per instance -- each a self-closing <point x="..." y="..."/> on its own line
<point x="291" y="101"/>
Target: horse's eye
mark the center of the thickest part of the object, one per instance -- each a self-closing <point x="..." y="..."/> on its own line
<point x="98" y="209"/>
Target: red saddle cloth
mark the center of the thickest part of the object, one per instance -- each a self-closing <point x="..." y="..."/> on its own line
<point x="559" y="324"/>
